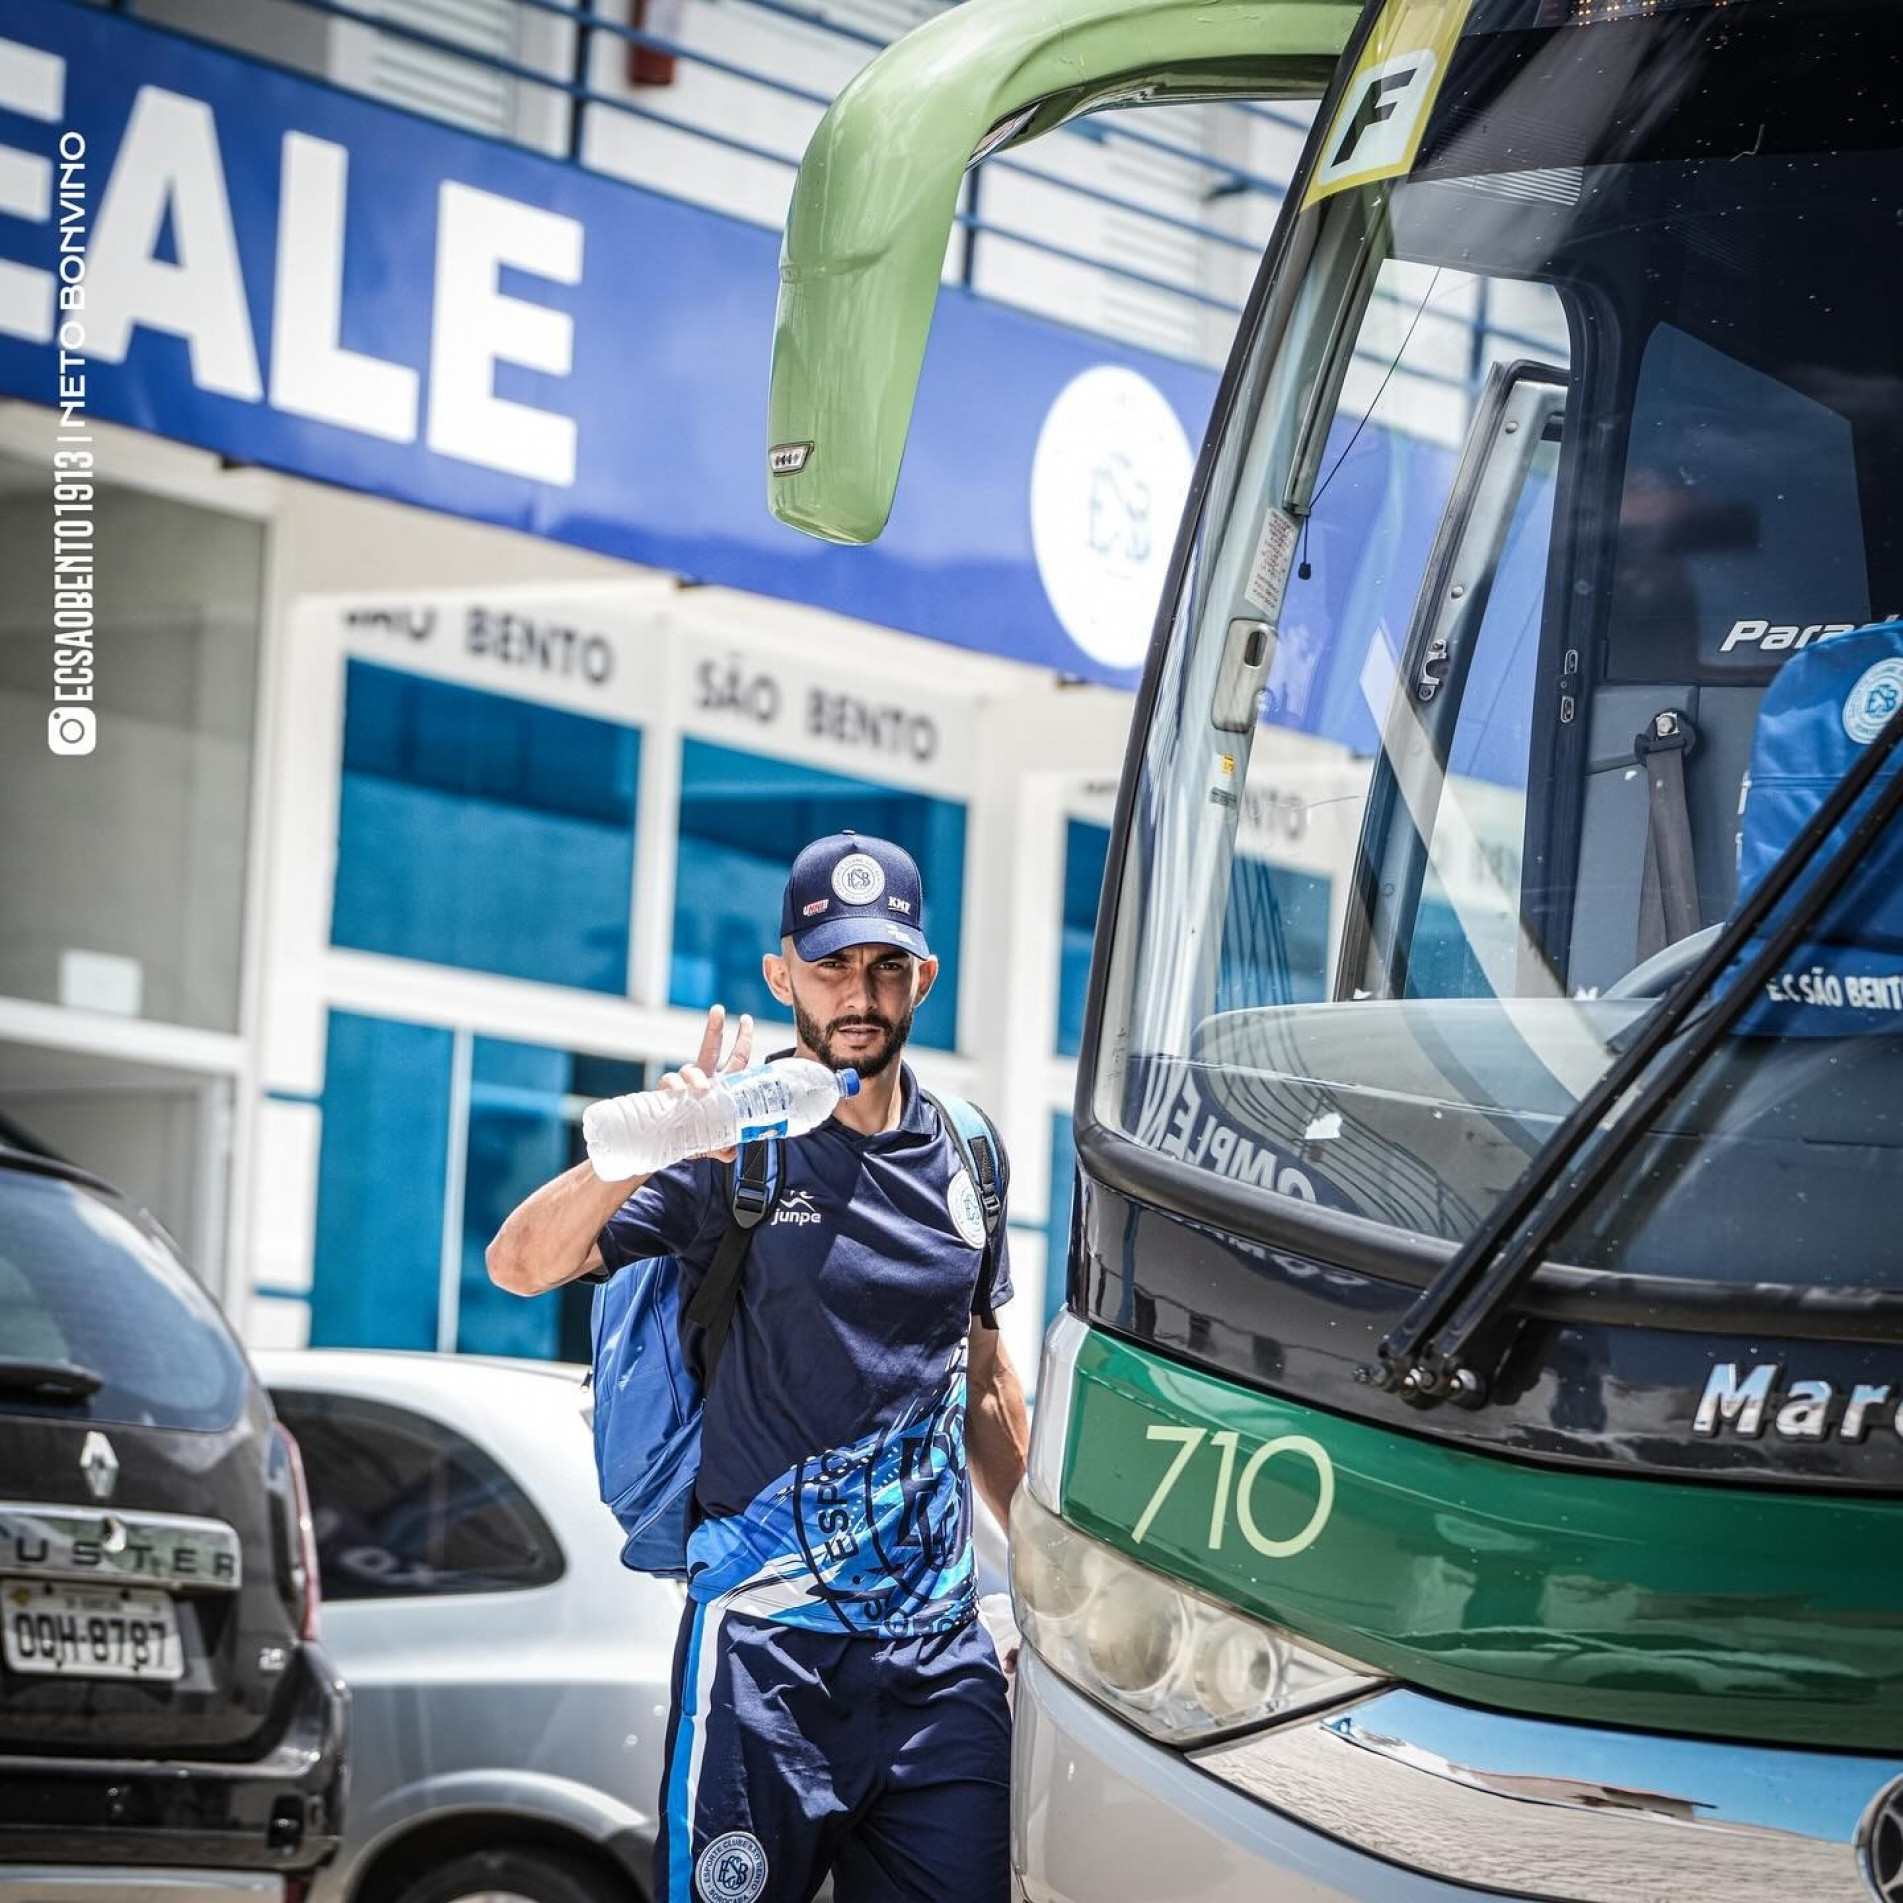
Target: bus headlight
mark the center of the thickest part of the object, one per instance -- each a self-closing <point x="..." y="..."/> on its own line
<point x="1156" y="1654"/>
<point x="1132" y="1631"/>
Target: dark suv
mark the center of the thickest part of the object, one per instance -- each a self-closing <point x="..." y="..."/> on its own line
<point x="168" y="1724"/>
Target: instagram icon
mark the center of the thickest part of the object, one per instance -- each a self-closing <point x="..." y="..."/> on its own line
<point x="71" y="730"/>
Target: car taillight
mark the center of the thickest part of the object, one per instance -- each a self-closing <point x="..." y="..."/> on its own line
<point x="301" y="1540"/>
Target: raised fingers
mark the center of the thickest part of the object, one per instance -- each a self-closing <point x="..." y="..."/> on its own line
<point x="742" y="1054"/>
<point x="709" y="1058"/>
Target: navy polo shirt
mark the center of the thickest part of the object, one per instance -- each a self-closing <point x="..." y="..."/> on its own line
<point x="833" y="1463"/>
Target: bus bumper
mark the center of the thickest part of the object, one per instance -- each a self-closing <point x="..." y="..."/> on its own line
<point x="1402" y="1797"/>
<point x="1099" y="1811"/>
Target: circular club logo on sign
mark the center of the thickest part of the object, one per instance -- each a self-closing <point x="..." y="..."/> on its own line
<point x="858" y="879"/>
<point x="1876" y="696"/>
<point x="967" y="1213"/>
<point x="732" y="1869"/>
<point x="1107" y="484"/>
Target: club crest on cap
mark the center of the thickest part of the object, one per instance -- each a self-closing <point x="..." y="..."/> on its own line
<point x="858" y="879"/>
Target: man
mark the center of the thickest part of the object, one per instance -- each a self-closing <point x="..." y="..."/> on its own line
<point x="836" y="1705"/>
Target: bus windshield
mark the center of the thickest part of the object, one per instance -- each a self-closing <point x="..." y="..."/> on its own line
<point x="1527" y="618"/>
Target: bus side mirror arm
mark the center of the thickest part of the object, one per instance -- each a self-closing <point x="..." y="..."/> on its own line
<point x="877" y="192"/>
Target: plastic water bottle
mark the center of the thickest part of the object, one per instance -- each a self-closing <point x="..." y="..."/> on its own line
<point x="646" y="1131"/>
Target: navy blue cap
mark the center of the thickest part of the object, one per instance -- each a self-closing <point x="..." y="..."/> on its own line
<point x="852" y="889"/>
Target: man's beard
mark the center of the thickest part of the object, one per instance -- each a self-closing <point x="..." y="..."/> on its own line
<point x="819" y="1039"/>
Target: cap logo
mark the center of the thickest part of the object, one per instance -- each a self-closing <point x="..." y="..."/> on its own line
<point x="859" y="879"/>
<point x="814" y="910"/>
<point x="900" y="905"/>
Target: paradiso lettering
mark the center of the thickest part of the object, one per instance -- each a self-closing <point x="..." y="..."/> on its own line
<point x="1800" y="1410"/>
<point x="1232" y="1497"/>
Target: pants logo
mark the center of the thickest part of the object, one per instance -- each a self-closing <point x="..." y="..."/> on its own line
<point x="732" y="1869"/>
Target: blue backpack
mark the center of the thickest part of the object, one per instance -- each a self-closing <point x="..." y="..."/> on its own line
<point x="647" y="1393"/>
<point x="1825" y="706"/>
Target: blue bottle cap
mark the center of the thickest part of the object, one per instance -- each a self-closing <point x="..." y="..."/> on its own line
<point x="848" y="1082"/>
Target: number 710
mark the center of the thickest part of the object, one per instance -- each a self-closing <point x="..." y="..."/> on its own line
<point x="1243" y="1491"/>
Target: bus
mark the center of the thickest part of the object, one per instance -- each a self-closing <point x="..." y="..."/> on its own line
<point x="1469" y="1459"/>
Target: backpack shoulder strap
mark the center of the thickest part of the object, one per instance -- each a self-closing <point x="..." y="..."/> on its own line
<point x="982" y="1151"/>
<point x="753" y="1187"/>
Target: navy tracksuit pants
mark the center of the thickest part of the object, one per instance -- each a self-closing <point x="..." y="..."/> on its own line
<point x="791" y="1753"/>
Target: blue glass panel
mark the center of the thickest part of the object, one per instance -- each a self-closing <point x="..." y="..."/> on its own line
<point x="744" y="818"/>
<point x="1274" y="951"/>
<point x="1441" y="960"/>
<point x="1275" y="946"/>
<point x="1063" y="1191"/>
<point x="1086" y="849"/>
<point x="380" y="1176"/>
<point x="521" y="1134"/>
<point x="484" y="832"/>
<point x="1477" y="957"/>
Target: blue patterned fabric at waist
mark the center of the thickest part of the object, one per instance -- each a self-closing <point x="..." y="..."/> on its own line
<point x="873" y="1538"/>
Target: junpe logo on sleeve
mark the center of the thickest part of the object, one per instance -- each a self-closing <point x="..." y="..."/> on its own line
<point x="796" y="1208"/>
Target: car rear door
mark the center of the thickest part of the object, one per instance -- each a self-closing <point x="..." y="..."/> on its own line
<point x="149" y="1585"/>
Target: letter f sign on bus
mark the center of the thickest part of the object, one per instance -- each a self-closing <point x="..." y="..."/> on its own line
<point x="1383" y="111"/>
<point x="1381" y="93"/>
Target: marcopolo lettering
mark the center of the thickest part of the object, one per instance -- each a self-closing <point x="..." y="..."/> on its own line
<point x="520" y="641"/>
<point x="1744" y="1405"/>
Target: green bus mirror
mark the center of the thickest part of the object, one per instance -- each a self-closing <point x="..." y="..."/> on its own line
<point x="877" y="191"/>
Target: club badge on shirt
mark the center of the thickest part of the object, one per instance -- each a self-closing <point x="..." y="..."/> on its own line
<point x="967" y="1213"/>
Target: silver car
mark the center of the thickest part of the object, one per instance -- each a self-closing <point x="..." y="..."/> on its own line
<point x="509" y="1674"/>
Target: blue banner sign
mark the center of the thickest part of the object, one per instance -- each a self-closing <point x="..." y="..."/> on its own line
<point x="299" y="278"/>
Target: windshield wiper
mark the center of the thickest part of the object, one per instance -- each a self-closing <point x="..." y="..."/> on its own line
<point x="48" y="1380"/>
<point x="1425" y="1356"/>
